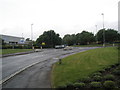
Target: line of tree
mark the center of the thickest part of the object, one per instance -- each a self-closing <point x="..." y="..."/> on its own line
<point x="50" y="38"/>
<point x="83" y="38"/>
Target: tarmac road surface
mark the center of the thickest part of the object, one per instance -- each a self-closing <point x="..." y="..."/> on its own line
<point x="37" y="76"/>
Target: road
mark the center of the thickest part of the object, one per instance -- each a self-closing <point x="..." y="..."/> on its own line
<point x="37" y="76"/>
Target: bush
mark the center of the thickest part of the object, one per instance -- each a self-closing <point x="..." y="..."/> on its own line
<point x="97" y="74"/>
<point x="113" y="66"/>
<point x="117" y="64"/>
<point x="118" y="68"/>
<point x="116" y="72"/>
<point x="79" y="85"/>
<point x="86" y="80"/>
<point x="70" y="85"/>
<point x="61" y="87"/>
<point x="118" y="83"/>
<point x="109" y="84"/>
<point x="97" y="78"/>
<point x="6" y="47"/>
<point x="108" y="68"/>
<point x="96" y="84"/>
<point x="102" y="70"/>
<point x="109" y="77"/>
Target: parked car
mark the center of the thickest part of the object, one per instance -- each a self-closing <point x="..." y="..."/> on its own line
<point x="59" y="46"/>
<point x="37" y="50"/>
<point x="68" y="48"/>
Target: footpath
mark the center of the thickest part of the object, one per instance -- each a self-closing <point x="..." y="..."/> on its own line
<point x="20" y="53"/>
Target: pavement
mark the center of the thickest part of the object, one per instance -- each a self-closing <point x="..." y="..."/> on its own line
<point x="14" y="54"/>
<point x="34" y="69"/>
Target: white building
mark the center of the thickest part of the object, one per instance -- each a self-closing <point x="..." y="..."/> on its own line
<point x="12" y="39"/>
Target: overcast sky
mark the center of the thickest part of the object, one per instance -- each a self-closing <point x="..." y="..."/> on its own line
<point x="62" y="16"/>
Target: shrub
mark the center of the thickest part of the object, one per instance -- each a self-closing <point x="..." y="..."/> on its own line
<point x="70" y="85"/>
<point x="108" y="68"/>
<point x="97" y="78"/>
<point x="96" y="84"/>
<point x="97" y="74"/>
<point x="61" y="86"/>
<point x="113" y="66"/>
<point x="118" y="68"/>
<point x="86" y="80"/>
<point x="109" y="77"/>
<point x="102" y="70"/>
<point x="109" y="84"/>
<point x="117" y="64"/>
<point x="6" y="47"/>
<point x="116" y="72"/>
<point x="79" y="85"/>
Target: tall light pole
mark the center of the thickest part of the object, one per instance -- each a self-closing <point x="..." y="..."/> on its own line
<point x="32" y="35"/>
<point x="103" y="31"/>
<point x="96" y="34"/>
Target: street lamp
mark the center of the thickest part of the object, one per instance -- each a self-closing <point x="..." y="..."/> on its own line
<point x="96" y="34"/>
<point x="103" y="31"/>
<point x="32" y="35"/>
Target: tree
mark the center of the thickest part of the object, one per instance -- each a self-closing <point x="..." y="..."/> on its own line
<point x="80" y="38"/>
<point x="50" y="38"/>
<point x="69" y="39"/>
<point x="111" y="35"/>
<point x="99" y="35"/>
<point x="28" y="39"/>
<point x="85" y="38"/>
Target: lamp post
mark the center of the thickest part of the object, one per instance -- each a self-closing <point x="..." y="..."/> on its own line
<point x="96" y="34"/>
<point x="103" y="31"/>
<point x="32" y="35"/>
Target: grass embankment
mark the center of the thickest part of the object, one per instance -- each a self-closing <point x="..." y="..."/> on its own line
<point x="81" y="65"/>
<point x="10" y="51"/>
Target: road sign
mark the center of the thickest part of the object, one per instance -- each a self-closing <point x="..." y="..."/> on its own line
<point x="43" y="43"/>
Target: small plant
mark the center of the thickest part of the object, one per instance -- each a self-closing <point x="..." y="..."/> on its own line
<point x="102" y="70"/>
<point x="109" y="77"/>
<point x="116" y="72"/>
<point x="70" y="85"/>
<point x="61" y="86"/>
<point x="113" y="66"/>
<point x="117" y="64"/>
<point x="109" y="84"/>
<point x="86" y="80"/>
<point x="97" y="73"/>
<point x="96" y="84"/>
<point x="108" y="68"/>
<point x="97" y="78"/>
<point x="118" y="83"/>
<point x="79" y="85"/>
<point x="118" y="68"/>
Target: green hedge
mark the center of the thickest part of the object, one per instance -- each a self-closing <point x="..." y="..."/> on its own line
<point x="16" y="47"/>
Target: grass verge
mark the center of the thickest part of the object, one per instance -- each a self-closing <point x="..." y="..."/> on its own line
<point x="10" y="51"/>
<point x="94" y="45"/>
<point x="81" y="65"/>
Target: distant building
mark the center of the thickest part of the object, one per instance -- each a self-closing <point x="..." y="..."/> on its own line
<point x="12" y="39"/>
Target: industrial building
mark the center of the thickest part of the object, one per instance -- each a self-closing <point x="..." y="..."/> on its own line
<point x="12" y="39"/>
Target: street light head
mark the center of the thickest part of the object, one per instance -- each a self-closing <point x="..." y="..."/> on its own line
<point x="102" y="14"/>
